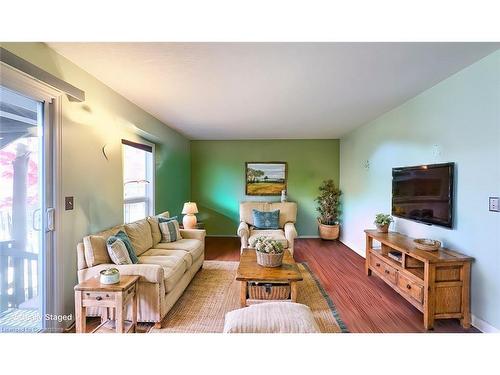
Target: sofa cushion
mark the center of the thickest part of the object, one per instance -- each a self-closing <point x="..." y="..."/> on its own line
<point x="266" y="219"/>
<point x="110" y="232"/>
<point x="155" y="229"/>
<point x="192" y="246"/>
<point x="118" y="251"/>
<point x="173" y="268"/>
<point x="271" y="317"/>
<point x="140" y="235"/>
<point x="184" y="255"/>
<point x="95" y="250"/>
<point x="274" y="234"/>
<point x="170" y="231"/>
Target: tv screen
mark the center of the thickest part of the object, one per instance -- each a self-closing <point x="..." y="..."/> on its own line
<point x="424" y="193"/>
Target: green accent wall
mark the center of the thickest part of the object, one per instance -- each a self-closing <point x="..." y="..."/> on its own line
<point x="218" y="178"/>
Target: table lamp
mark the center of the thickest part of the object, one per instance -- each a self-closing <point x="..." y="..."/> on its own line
<point x="189" y="210"/>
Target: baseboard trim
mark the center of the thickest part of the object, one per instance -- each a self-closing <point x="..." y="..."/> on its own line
<point x="351" y="246"/>
<point x="483" y="326"/>
<point x="316" y="236"/>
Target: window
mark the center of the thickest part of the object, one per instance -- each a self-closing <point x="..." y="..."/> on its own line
<point x="138" y="181"/>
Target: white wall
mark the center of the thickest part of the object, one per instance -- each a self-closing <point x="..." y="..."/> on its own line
<point x="458" y="121"/>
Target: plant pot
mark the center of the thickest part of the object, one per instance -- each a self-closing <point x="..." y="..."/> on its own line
<point x="328" y="232"/>
<point x="382" y="228"/>
<point x="269" y="260"/>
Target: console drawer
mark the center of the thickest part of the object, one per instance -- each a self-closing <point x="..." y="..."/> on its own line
<point x="390" y="273"/>
<point x="411" y="288"/>
<point x="376" y="264"/>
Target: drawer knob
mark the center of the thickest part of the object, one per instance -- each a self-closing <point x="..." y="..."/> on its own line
<point x="408" y="286"/>
<point x="386" y="271"/>
<point x="377" y="264"/>
<point x="98" y="298"/>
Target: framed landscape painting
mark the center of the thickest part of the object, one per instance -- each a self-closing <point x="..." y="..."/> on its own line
<point x="265" y="178"/>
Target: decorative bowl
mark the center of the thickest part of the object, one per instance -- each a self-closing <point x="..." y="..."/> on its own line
<point x="427" y="244"/>
<point x="269" y="260"/>
<point x="110" y="276"/>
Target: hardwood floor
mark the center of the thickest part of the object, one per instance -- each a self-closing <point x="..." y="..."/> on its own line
<point x="365" y="304"/>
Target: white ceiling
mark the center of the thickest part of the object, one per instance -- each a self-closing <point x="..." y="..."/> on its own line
<point x="270" y="90"/>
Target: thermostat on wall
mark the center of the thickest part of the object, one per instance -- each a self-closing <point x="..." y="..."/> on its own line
<point x="494" y="205"/>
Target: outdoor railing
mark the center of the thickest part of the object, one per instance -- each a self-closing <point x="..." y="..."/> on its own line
<point x="21" y="285"/>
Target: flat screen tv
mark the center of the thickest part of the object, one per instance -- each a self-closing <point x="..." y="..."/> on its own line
<point x="424" y="193"/>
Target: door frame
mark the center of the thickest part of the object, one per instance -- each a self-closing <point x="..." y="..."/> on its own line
<point x="52" y="98"/>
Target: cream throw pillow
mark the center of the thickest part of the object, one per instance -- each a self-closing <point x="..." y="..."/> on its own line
<point x="118" y="251"/>
<point x="95" y="250"/>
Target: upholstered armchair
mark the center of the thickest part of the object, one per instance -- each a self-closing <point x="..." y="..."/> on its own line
<point x="286" y="233"/>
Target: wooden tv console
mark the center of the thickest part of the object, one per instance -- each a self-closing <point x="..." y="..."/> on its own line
<point x="435" y="282"/>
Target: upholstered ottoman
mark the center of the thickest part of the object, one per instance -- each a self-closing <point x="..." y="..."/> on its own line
<point x="271" y="317"/>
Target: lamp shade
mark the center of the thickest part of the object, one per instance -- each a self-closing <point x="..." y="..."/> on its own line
<point x="189" y="208"/>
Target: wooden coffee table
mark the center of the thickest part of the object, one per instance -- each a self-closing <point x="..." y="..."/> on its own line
<point x="249" y="270"/>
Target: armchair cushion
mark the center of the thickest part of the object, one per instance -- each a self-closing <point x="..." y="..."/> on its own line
<point x="274" y="234"/>
<point x="266" y="219"/>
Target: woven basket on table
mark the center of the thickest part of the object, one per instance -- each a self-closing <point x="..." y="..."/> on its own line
<point x="268" y="291"/>
<point x="269" y="260"/>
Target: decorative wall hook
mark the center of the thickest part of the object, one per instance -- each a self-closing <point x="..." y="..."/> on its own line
<point x="104" y="152"/>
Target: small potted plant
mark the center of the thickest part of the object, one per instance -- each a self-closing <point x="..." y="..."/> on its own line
<point x="382" y="221"/>
<point x="328" y="208"/>
<point x="269" y="252"/>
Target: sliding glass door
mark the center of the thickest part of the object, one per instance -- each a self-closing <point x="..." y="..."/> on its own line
<point x="26" y="213"/>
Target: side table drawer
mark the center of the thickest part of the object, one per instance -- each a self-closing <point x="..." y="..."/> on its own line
<point x="98" y="296"/>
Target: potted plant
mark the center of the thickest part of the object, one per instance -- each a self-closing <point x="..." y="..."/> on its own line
<point x="382" y="221"/>
<point x="269" y="252"/>
<point x="328" y="208"/>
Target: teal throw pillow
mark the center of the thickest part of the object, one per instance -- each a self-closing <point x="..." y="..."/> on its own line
<point x="126" y="240"/>
<point x="266" y="219"/>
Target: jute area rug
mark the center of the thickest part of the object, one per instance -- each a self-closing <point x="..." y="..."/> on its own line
<point x="214" y="291"/>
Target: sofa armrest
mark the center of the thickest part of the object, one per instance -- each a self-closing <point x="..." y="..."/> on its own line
<point x="290" y="231"/>
<point x="149" y="273"/>
<point x="243" y="230"/>
<point x="196" y="234"/>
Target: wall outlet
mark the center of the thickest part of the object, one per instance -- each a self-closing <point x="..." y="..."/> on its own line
<point x="494" y="204"/>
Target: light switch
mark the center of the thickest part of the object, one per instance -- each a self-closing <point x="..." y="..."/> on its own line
<point x="68" y="203"/>
<point x="494" y="206"/>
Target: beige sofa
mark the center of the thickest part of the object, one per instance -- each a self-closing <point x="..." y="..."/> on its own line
<point x="165" y="268"/>
<point x="286" y="233"/>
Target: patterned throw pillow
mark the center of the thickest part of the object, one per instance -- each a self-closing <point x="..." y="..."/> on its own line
<point x="117" y="251"/>
<point x="163" y="219"/>
<point x="266" y="219"/>
<point x="170" y="231"/>
<point x="126" y="240"/>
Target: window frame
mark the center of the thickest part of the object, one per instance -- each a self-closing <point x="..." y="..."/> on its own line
<point x="150" y="176"/>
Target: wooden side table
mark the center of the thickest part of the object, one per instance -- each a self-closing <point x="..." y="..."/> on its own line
<point x="91" y="293"/>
